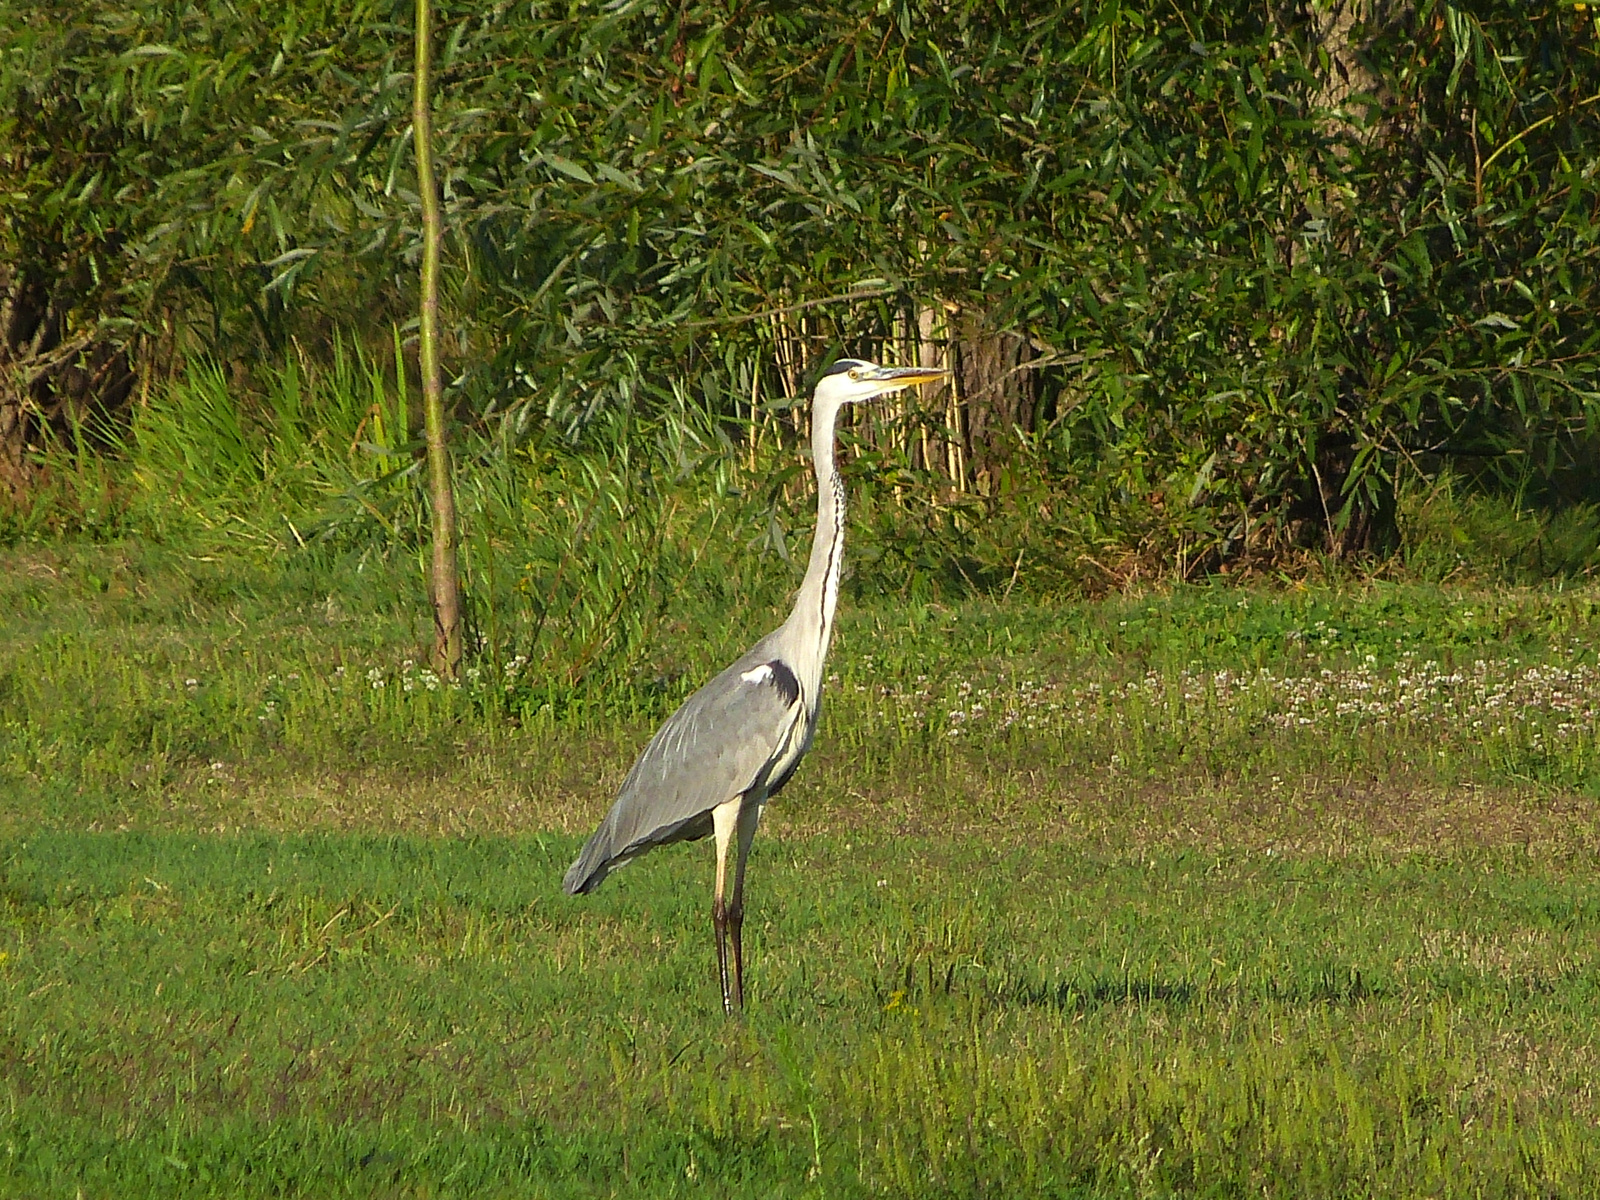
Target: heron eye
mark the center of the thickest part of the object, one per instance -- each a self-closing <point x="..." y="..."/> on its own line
<point x="855" y="372"/>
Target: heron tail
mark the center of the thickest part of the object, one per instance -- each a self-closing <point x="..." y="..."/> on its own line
<point x="607" y="848"/>
<point x="589" y="869"/>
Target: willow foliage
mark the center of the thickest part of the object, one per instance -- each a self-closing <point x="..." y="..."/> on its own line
<point x="1256" y="263"/>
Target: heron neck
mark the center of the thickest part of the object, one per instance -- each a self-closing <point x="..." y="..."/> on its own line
<point x="819" y="592"/>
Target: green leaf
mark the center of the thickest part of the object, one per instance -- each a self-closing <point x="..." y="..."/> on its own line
<point x="566" y="166"/>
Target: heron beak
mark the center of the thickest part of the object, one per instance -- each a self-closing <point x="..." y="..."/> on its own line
<point x="892" y="379"/>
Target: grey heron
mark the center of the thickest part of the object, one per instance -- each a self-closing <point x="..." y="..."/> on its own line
<point x="733" y="745"/>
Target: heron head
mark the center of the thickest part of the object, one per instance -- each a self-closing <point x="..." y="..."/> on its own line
<point x="850" y="380"/>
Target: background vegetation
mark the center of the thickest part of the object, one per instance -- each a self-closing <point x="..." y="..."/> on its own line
<point x="1220" y="278"/>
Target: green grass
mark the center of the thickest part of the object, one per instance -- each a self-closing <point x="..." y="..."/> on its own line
<point x="1206" y="892"/>
<point x="256" y="1013"/>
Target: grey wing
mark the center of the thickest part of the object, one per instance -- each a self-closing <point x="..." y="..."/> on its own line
<point x="722" y="742"/>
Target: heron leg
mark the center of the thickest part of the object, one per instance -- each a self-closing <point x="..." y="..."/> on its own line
<point x="749" y="816"/>
<point x="724" y="821"/>
<point x="719" y="922"/>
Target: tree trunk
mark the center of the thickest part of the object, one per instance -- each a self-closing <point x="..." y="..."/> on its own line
<point x="444" y="581"/>
<point x="997" y="390"/>
<point x="50" y="380"/>
<point x="1341" y="30"/>
<point x="1353" y="526"/>
<point x="1361" y="521"/>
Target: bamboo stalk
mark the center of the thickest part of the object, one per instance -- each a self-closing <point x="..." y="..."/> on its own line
<point x="956" y="411"/>
<point x="755" y="412"/>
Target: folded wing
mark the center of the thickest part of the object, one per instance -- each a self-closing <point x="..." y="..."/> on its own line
<point x="724" y="741"/>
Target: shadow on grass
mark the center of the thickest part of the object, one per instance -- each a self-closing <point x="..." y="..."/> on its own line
<point x="1334" y="988"/>
<point x="1080" y="995"/>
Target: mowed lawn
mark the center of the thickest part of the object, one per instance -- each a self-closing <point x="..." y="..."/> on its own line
<point x="1204" y="892"/>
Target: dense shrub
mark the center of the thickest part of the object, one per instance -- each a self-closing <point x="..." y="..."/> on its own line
<point x="1228" y="269"/>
